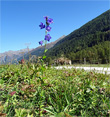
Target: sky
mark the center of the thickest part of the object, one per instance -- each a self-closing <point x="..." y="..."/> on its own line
<point x="20" y="20"/>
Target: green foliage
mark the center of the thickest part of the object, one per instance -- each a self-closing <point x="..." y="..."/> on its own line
<point x="95" y="54"/>
<point x="63" y="93"/>
<point x="49" y="61"/>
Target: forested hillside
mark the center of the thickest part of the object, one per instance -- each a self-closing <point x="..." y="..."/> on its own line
<point x="95" y="54"/>
<point x="91" y="41"/>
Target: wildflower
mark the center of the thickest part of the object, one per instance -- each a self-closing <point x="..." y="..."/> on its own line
<point x="12" y="93"/>
<point x="41" y="42"/>
<point x="48" y="28"/>
<point x="50" y="20"/>
<point x="42" y="25"/>
<point x="46" y="17"/>
<point x="22" y="61"/>
<point x="44" y="112"/>
<point x="47" y="37"/>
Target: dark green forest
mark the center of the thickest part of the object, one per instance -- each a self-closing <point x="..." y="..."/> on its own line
<point x="91" y="41"/>
<point x="94" y="55"/>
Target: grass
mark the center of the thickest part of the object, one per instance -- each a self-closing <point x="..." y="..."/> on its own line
<point x="62" y="93"/>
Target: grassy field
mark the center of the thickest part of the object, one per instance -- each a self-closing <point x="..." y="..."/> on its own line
<point x="35" y="91"/>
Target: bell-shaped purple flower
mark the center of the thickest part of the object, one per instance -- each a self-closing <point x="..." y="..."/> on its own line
<point x="47" y="37"/>
<point x="42" y="25"/>
<point x="41" y="42"/>
<point x="48" y="28"/>
<point x="50" y="20"/>
<point x="46" y="17"/>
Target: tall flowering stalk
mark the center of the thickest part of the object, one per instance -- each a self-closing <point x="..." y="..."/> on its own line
<point x="47" y="29"/>
<point x="47" y="37"/>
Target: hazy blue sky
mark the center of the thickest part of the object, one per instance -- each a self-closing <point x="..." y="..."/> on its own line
<point x="20" y="20"/>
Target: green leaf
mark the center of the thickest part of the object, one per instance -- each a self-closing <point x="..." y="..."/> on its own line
<point x="33" y="66"/>
<point x="92" y="86"/>
<point x="50" y="110"/>
<point x="44" y="78"/>
<point x="79" y="98"/>
<point x="61" y="114"/>
<point x="44" y="57"/>
<point x="88" y="90"/>
<point x="42" y="68"/>
<point x="45" y="50"/>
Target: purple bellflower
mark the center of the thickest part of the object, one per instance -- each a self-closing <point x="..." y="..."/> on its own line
<point x="46" y="17"/>
<point x="48" y="28"/>
<point x="41" y="42"/>
<point x="42" y="25"/>
<point x="47" y="37"/>
<point x="50" y="20"/>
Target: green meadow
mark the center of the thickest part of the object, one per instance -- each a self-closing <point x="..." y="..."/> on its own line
<point x="30" y="90"/>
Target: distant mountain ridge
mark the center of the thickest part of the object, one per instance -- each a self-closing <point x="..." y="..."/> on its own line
<point x="39" y="50"/>
<point x="13" y="56"/>
<point x="10" y="55"/>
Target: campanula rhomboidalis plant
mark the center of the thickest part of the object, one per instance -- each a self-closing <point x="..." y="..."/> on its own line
<point x="47" y="38"/>
<point x="47" y="28"/>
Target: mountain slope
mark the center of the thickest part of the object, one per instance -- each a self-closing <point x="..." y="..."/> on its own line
<point x="92" y="33"/>
<point x="9" y="56"/>
<point x="95" y="54"/>
<point x="39" y="50"/>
